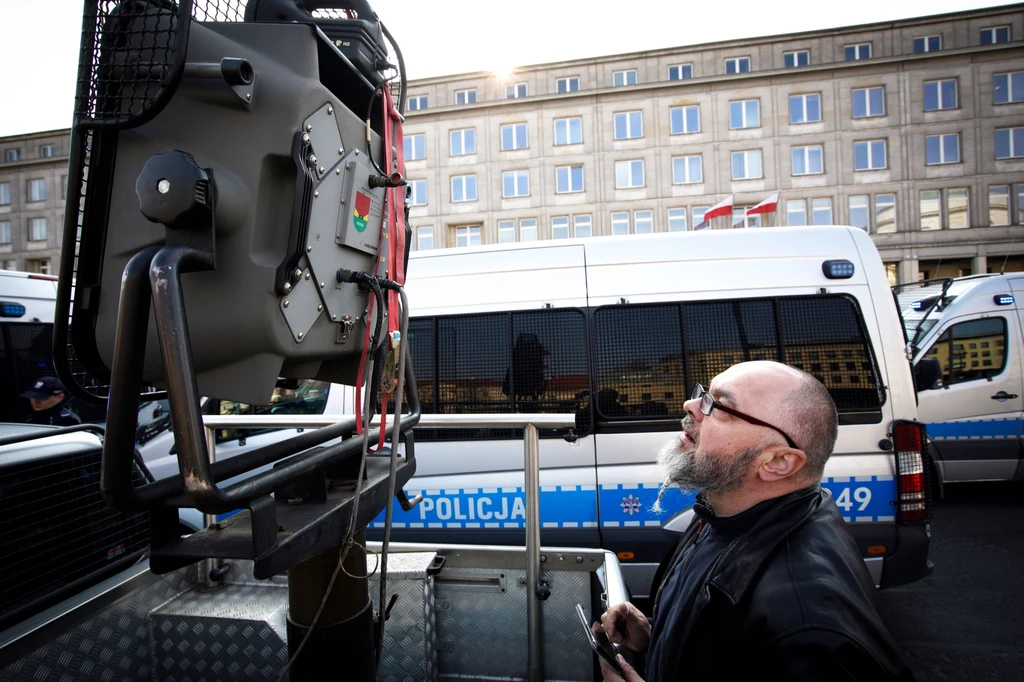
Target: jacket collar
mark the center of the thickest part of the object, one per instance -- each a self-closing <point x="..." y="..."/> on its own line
<point x="741" y="561"/>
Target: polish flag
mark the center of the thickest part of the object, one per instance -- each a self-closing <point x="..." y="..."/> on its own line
<point x="767" y="206"/>
<point x="720" y="209"/>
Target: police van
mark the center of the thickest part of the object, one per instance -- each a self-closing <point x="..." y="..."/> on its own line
<point x="618" y="331"/>
<point x="965" y="335"/>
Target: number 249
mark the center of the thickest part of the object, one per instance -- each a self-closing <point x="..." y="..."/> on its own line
<point x="861" y="496"/>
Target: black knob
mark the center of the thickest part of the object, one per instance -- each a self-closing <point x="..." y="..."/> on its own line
<point x="543" y="592"/>
<point x="174" y="191"/>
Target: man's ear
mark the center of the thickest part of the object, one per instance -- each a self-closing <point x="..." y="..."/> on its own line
<point x="782" y="462"/>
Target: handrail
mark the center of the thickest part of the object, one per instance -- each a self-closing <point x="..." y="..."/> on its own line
<point x="427" y="421"/>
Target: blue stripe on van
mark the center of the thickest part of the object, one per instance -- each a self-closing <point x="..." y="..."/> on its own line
<point x="975" y="428"/>
<point x="861" y="499"/>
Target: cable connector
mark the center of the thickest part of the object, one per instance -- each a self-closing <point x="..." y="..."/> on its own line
<point x="393" y="180"/>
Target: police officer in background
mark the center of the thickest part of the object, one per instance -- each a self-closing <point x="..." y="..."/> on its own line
<point x="47" y="397"/>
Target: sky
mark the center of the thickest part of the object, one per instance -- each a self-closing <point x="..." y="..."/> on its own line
<point x="39" y="52"/>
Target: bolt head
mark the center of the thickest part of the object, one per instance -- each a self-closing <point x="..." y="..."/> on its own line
<point x="337" y="171"/>
<point x="300" y="335"/>
<point x="287" y="286"/>
<point x="308" y="275"/>
<point x="248" y="96"/>
<point x="330" y="110"/>
<point x="163" y="186"/>
<point x="357" y="152"/>
<point x="321" y="169"/>
<point x="316" y="194"/>
<point x="298" y="274"/>
<point x="305" y="139"/>
<point x="308" y="249"/>
<point x="321" y="285"/>
<point x="309" y="128"/>
<point x="312" y="158"/>
<point x="287" y="303"/>
<point x="320" y="308"/>
<point x="334" y="317"/>
<point x="579" y="559"/>
<point x="341" y="150"/>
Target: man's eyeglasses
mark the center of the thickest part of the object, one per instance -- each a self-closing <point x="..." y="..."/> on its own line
<point x="708" y="403"/>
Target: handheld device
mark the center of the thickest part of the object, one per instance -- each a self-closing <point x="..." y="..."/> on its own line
<point x="599" y="641"/>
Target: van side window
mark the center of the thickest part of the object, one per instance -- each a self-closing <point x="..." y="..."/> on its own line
<point x="649" y="356"/>
<point x="524" y="361"/>
<point x="309" y="397"/>
<point x="953" y="350"/>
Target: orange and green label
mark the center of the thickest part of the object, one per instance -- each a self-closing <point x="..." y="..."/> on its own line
<point x="362" y="212"/>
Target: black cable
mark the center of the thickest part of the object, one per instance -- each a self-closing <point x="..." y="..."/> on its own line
<point x="369" y="116"/>
<point x="401" y="68"/>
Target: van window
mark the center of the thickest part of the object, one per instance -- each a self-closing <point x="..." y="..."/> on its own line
<point x="649" y="356"/>
<point x="971" y="350"/>
<point x="509" y="362"/>
<point x="309" y="397"/>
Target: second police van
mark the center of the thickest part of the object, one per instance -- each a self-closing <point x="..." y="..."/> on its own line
<point x="618" y="331"/>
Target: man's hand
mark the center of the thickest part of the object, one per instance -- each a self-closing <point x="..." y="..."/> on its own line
<point x="626" y="625"/>
<point x="628" y="673"/>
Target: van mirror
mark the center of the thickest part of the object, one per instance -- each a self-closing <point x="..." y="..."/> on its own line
<point x="927" y="374"/>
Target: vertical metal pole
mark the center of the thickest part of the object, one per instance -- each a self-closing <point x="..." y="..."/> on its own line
<point x="535" y="659"/>
<point x="207" y="565"/>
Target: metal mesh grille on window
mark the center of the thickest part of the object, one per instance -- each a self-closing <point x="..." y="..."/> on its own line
<point x="503" y="363"/>
<point x="58" y="530"/>
<point x="823" y="336"/>
<point x="915" y="301"/>
<point x="721" y="334"/>
<point x="639" y="362"/>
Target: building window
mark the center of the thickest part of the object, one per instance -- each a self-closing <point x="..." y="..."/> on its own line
<point x="687" y="170"/>
<point x="1008" y="87"/>
<point x="794" y="59"/>
<point x="807" y="160"/>
<point x="506" y="231"/>
<point x="5" y="231"/>
<point x="571" y="84"/>
<point x="465" y="96"/>
<point x="999" y="205"/>
<point x="467" y="235"/>
<point x="48" y="151"/>
<point x="746" y="165"/>
<point x="415" y="147"/>
<point x="417" y="192"/>
<point x="698" y="215"/>
<point x="462" y="142"/>
<point x="859" y="212"/>
<point x="931" y="218"/>
<point x="515" y="184"/>
<point x="940" y="95"/>
<point x="582" y="226"/>
<point x="868" y="102"/>
<point x="1009" y="143"/>
<point x="643" y="222"/>
<point x="684" y="120"/>
<point x="745" y="114"/>
<point x="41" y="266"/>
<point x="513" y="136"/>
<point x="464" y="188"/>
<point x="629" y="125"/>
<point x="857" y="52"/>
<point x="737" y="65"/>
<point x="804" y="108"/>
<point x="622" y="78"/>
<point x="5" y="194"/>
<point x="620" y="223"/>
<point x="869" y="155"/>
<point x="37" y="229"/>
<point x="939" y="149"/>
<point x="885" y="213"/>
<point x="680" y="72"/>
<point x="515" y="91"/>
<point x="36" y="190"/>
<point x="629" y="174"/>
<point x="568" y="131"/>
<point x="958" y="208"/>
<point x="741" y="219"/>
<point x="677" y="220"/>
<point x="821" y="211"/>
<point x="927" y="44"/>
<point x="796" y="213"/>
<point x="560" y="227"/>
<point x="13" y="155"/>
<point x="568" y="179"/>
<point x="10" y="264"/>
<point x="424" y="238"/>
<point x="528" y="230"/>
<point x="995" y="34"/>
<point x="417" y="103"/>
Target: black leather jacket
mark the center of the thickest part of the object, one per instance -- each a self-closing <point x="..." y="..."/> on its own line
<point x="789" y="599"/>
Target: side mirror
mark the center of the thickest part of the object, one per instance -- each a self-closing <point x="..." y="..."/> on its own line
<point x="927" y="374"/>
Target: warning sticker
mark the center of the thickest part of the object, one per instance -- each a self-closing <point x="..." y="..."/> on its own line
<point x="362" y="212"/>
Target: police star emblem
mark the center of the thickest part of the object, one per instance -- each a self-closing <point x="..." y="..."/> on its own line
<point x="631" y="505"/>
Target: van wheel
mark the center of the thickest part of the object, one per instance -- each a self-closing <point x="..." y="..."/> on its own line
<point x="938" y="487"/>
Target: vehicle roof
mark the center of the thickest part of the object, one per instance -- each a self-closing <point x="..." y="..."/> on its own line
<point x="38" y="293"/>
<point x="44" y="447"/>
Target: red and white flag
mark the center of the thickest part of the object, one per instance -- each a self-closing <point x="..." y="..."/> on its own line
<point x="767" y="206"/>
<point x="720" y="209"/>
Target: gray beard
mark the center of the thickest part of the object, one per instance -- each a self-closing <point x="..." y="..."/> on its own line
<point x="713" y="473"/>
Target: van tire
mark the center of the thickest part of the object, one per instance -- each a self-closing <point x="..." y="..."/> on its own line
<point x="938" y="486"/>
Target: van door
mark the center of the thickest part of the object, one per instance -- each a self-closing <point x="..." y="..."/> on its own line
<point x="974" y="411"/>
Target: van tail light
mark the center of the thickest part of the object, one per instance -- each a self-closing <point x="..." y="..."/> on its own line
<point x="913" y="487"/>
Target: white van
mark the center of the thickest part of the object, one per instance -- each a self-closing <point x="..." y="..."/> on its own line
<point x="617" y="331"/>
<point x="965" y="336"/>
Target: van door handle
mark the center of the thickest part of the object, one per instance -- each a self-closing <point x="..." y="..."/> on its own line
<point x="1003" y="395"/>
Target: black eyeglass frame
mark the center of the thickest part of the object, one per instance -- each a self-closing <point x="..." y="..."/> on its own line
<point x="708" y="403"/>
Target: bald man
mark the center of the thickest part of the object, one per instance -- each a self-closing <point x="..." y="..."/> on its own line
<point x="766" y="583"/>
